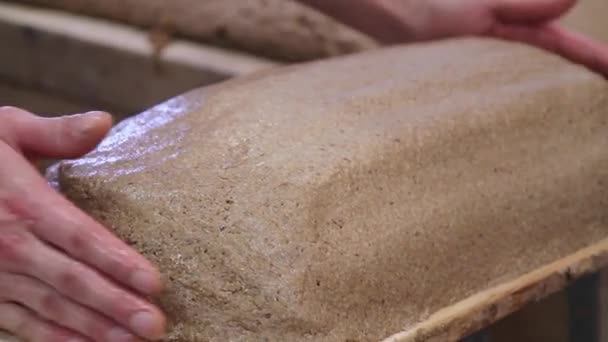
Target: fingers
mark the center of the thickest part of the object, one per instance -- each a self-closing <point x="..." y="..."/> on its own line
<point x="387" y="21"/>
<point x="57" y="221"/>
<point x="62" y="137"/>
<point x="529" y="11"/>
<point x="53" y="306"/>
<point x="576" y="47"/>
<point x="89" y="288"/>
<point x="21" y="252"/>
<point x="53" y="219"/>
<point x="66" y="226"/>
<point x="24" y="324"/>
<point x="570" y="45"/>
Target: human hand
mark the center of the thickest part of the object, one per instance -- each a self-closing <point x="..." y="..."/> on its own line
<point x="529" y="21"/>
<point x="63" y="276"/>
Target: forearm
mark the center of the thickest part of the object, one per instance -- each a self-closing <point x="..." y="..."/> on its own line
<point x="388" y="21"/>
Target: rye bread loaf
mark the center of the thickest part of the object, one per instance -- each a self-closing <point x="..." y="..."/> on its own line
<point x="281" y="29"/>
<point x="348" y="199"/>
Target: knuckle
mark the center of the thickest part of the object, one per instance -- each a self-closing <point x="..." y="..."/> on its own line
<point x="71" y="281"/>
<point x="14" y="115"/>
<point x="51" y="303"/>
<point x="80" y="242"/>
<point x="16" y="206"/>
<point x="12" y="316"/>
<point x="7" y="110"/>
<point x="7" y="286"/>
<point x="10" y="117"/>
<point x="15" y="242"/>
<point x="22" y="319"/>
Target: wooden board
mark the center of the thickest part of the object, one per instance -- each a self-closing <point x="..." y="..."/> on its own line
<point x="487" y="307"/>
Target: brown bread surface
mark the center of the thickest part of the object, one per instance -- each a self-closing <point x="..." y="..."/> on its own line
<point x="348" y="199"/>
<point x="281" y="29"/>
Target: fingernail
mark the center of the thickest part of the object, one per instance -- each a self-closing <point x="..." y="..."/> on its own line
<point x="88" y="122"/>
<point x="144" y="281"/>
<point x="119" y="335"/>
<point x="146" y="324"/>
<point x="82" y="125"/>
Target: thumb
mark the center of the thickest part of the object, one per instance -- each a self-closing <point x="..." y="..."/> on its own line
<point x="62" y="137"/>
<point x="530" y="12"/>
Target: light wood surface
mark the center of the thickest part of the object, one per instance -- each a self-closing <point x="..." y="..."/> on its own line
<point x="486" y="307"/>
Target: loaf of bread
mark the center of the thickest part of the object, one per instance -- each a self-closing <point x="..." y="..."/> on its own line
<point x="281" y="29"/>
<point x="348" y="199"/>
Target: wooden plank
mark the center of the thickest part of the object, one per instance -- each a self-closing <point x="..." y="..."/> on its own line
<point x="571" y="315"/>
<point x="487" y="307"/>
